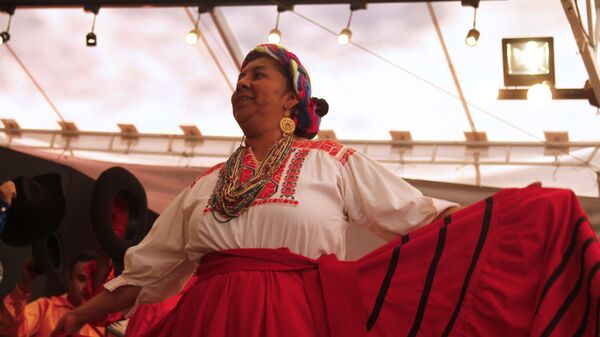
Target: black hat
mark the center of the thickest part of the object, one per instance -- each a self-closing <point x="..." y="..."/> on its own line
<point x="117" y="185"/>
<point x="36" y="212"/>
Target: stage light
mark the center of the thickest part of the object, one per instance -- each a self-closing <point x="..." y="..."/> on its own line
<point x="344" y="36"/>
<point x="192" y="36"/>
<point x="528" y="61"/>
<point x="539" y="94"/>
<point x="5" y="35"/>
<point x="91" y="40"/>
<point x="473" y="34"/>
<point x="472" y="38"/>
<point x="274" y="36"/>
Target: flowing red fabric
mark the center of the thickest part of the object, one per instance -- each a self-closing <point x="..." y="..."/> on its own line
<point x="147" y="315"/>
<point x="520" y="263"/>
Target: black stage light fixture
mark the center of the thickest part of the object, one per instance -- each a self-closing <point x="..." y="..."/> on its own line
<point x="527" y="61"/>
<point x="91" y="40"/>
<point x="473" y="34"/>
<point x="5" y="35"/>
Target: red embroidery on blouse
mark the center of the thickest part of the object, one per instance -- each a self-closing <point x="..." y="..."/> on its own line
<point x="288" y="188"/>
<point x="346" y="155"/>
<point x="270" y="188"/>
<point x="296" y="159"/>
<point x="337" y="150"/>
<point x="207" y="172"/>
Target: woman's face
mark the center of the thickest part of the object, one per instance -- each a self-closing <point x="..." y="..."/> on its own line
<point x="261" y="97"/>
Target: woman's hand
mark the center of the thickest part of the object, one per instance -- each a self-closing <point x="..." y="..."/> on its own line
<point x="68" y="324"/>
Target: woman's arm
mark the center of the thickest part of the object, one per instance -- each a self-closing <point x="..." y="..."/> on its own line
<point x="448" y="211"/>
<point x="97" y="308"/>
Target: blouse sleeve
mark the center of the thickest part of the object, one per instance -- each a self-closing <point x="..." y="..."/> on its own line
<point x="159" y="264"/>
<point x="382" y="201"/>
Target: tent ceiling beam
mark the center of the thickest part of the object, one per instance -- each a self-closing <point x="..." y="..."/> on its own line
<point x="178" y="3"/>
<point x="481" y="153"/>
<point x="37" y="133"/>
<point x="227" y="36"/>
<point x="586" y="47"/>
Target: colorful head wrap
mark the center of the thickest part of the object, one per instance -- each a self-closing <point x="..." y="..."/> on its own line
<point x="306" y="118"/>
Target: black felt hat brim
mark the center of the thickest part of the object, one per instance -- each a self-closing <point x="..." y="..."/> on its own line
<point x="36" y="212"/>
<point x="112" y="182"/>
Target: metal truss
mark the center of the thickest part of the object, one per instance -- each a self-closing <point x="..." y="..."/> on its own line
<point x="486" y="153"/>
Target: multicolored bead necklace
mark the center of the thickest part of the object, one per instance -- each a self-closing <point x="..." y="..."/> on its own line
<point x="231" y="198"/>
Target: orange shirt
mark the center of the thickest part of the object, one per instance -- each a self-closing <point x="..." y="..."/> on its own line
<point x="38" y="318"/>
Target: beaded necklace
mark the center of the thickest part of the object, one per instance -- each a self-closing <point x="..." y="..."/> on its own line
<point x="231" y="198"/>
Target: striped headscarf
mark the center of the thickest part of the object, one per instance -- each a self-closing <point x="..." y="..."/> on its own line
<point x="306" y="119"/>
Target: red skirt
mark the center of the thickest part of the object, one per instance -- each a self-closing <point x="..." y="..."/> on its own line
<point x="520" y="263"/>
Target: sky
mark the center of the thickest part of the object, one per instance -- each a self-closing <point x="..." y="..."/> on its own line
<point x="393" y="77"/>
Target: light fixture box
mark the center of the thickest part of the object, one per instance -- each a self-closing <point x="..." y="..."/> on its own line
<point x="478" y="150"/>
<point x="556" y="143"/>
<point x="527" y="61"/>
<point x="129" y="132"/>
<point x="192" y="135"/>
<point x="326" y="134"/>
<point x="401" y="136"/>
<point x="11" y="127"/>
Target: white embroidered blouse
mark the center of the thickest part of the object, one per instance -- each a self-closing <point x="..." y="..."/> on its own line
<point x="319" y="190"/>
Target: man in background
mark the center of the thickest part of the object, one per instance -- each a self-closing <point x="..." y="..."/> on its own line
<point x="19" y="318"/>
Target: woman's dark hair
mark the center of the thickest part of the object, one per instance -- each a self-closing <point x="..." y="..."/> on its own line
<point x="322" y="106"/>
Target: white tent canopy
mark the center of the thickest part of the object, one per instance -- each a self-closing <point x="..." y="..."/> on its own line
<point x="393" y="77"/>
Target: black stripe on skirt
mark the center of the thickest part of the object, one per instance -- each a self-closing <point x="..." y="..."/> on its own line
<point x="430" y="276"/>
<point x="563" y="263"/>
<point x="385" y="285"/>
<point x="489" y="203"/>
<point x="572" y="294"/>
<point x="584" y="320"/>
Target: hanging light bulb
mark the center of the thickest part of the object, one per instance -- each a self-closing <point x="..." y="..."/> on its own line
<point x="274" y="36"/>
<point x="472" y="38"/>
<point x="5" y="36"/>
<point x="344" y="36"/>
<point x="192" y="36"/>
<point x="473" y="34"/>
<point x="91" y="40"/>
<point x="539" y="94"/>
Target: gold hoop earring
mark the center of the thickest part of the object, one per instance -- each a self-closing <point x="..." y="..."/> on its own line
<point x="286" y="124"/>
